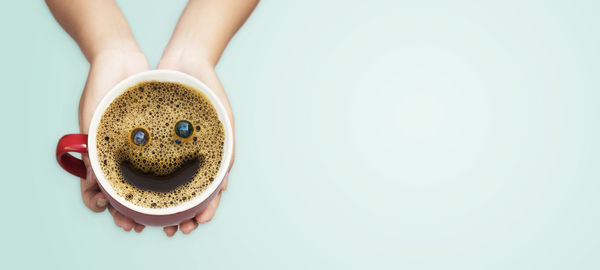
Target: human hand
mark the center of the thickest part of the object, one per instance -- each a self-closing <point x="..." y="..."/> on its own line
<point x="102" y="33"/>
<point x="194" y="65"/>
<point x="106" y="70"/>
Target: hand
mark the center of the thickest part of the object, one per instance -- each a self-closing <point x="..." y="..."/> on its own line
<point x="195" y="65"/>
<point x="106" y="70"/>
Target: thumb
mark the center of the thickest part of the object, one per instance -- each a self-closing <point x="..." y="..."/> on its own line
<point x="91" y="195"/>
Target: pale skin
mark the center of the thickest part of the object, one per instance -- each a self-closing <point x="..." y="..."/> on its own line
<point x="101" y="31"/>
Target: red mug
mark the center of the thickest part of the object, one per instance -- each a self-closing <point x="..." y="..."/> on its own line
<point x="86" y="143"/>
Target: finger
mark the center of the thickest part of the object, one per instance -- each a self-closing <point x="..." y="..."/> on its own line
<point x="188" y="226"/>
<point x="225" y="182"/>
<point x="209" y="212"/>
<point x="98" y="202"/>
<point x="139" y="227"/>
<point x="170" y="231"/>
<point x="90" y="193"/>
<point x="120" y="220"/>
<point x="232" y="158"/>
<point x="224" y="187"/>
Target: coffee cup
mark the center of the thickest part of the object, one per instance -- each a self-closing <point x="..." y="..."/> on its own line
<point x="87" y="143"/>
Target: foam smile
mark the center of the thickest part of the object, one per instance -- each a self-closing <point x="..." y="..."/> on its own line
<point x="159" y="183"/>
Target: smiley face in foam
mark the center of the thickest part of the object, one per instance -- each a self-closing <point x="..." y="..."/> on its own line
<point x="160" y="144"/>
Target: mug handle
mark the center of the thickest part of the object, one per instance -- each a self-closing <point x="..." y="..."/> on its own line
<point x="72" y="143"/>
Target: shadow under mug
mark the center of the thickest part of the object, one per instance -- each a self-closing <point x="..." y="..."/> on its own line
<point x="84" y="143"/>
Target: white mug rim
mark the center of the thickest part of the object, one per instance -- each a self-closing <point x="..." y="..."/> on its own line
<point x="162" y="75"/>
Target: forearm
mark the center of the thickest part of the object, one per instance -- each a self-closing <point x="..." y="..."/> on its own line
<point x="205" y="28"/>
<point x="96" y="26"/>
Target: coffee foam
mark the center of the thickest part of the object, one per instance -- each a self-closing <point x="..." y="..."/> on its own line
<point x="157" y="107"/>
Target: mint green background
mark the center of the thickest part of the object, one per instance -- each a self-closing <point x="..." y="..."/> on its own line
<point x="370" y="134"/>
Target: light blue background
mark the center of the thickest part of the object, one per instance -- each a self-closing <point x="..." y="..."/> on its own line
<point x="371" y="134"/>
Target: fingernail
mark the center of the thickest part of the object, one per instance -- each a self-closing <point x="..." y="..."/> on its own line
<point x="101" y="203"/>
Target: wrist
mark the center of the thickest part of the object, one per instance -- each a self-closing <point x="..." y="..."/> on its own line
<point x="184" y="50"/>
<point x="122" y="57"/>
<point x="186" y="61"/>
<point x="113" y="46"/>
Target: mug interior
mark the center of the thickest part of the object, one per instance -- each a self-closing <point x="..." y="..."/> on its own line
<point x="162" y="75"/>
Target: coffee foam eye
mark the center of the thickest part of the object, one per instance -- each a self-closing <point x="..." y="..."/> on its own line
<point x="156" y="108"/>
<point x="139" y="137"/>
<point x="184" y="129"/>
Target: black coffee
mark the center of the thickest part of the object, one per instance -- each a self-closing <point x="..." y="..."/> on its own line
<point x="160" y="144"/>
